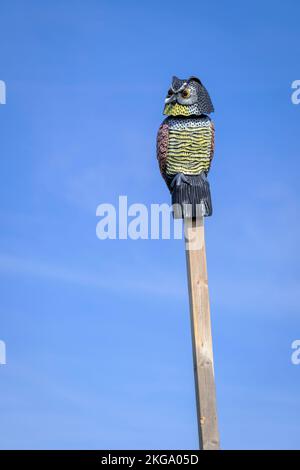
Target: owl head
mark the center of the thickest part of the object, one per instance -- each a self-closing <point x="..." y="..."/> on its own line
<point x="187" y="98"/>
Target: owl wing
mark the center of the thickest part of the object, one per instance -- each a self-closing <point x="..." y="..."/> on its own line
<point x="162" y="148"/>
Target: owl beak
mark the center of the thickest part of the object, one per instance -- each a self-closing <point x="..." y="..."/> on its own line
<point x="170" y="99"/>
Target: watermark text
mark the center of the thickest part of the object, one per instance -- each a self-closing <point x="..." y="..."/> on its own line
<point x="2" y="353"/>
<point x="295" y="97"/>
<point x="140" y="222"/>
<point x="295" y="357"/>
<point x="2" y="92"/>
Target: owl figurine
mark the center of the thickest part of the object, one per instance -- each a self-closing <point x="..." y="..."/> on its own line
<point x="185" y="147"/>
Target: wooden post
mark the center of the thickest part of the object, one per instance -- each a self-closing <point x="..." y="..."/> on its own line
<point x="201" y="334"/>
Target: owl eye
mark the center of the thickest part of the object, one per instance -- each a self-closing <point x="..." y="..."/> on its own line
<point x="170" y="92"/>
<point x="186" y="93"/>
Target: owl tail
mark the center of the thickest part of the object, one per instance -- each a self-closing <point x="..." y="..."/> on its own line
<point x="191" y="196"/>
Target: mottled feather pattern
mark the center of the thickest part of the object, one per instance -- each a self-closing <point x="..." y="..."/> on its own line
<point x="162" y="147"/>
<point x="212" y="140"/>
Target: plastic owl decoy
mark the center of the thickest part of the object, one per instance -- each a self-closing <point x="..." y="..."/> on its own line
<point x="185" y="147"/>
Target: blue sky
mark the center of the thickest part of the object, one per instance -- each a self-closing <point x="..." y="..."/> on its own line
<point x="97" y="332"/>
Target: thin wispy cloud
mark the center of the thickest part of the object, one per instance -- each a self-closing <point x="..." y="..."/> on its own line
<point x="114" y="281"/>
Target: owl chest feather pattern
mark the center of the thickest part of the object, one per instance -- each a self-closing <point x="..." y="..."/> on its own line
<point x="190" y="145"/>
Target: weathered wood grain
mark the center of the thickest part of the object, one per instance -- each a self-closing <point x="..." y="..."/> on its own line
<point x="201" y="335"/>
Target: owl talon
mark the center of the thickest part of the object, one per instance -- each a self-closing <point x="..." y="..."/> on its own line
<point x="178" y="180"/>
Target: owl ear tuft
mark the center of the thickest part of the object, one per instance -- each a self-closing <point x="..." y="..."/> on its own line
<point x="195" y="79"/>
<point x="177" y="83"/>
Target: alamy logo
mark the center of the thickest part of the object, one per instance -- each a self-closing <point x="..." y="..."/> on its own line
<point x="2" y="92"/>
<point x="2" y="353"/>
<point x="296" y="94"/>
<point x="139" y="222"/>
<point x="295" y="357"/>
